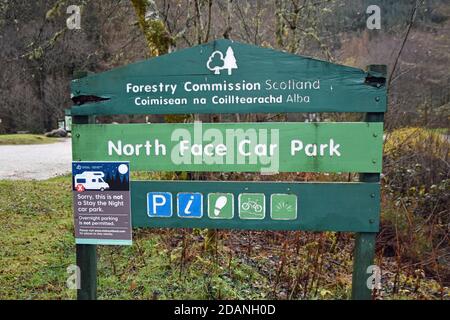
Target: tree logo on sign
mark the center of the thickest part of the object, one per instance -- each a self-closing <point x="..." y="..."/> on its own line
<point x="217" y="61"/>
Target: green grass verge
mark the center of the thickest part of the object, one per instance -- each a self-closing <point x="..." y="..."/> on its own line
<point x="37" y="246"/>
<point x="25" y="139"/>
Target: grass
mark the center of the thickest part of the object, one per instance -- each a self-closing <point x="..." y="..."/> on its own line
<point x="37" y="247"/>
<point x="445" y="131"/>
<point x="15" y="139"/>
<point x="36" y="236"/>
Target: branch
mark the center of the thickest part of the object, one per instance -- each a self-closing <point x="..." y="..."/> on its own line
<point x="228" y="29"/>
<point x="208" y="27"/>
<point x="199" y="22"/>
<point x="411" y="22"/>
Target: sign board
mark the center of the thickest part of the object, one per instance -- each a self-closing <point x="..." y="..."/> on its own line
<point x="228" y="77"/>
<point x="68" y="123"/>
<point x="101" y="199"/>
<point x="253" y="205"/>
<point x="256" y="147"/>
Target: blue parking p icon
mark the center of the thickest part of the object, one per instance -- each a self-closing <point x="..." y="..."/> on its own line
<point x="159" y="204"/>
<point x="190" y="205"/>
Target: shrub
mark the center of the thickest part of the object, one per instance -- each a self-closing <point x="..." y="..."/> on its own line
<point x="416" y="193"/>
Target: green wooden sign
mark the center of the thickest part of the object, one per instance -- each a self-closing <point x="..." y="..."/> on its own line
<point x="351" y="207"/>
<point x="229" y="77"/>
<point x="251" y="147"/>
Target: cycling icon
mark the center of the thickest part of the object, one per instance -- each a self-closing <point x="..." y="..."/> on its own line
<point x="252" y="206"/>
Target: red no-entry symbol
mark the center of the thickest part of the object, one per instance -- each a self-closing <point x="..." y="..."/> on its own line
<point x="80" y="188"/>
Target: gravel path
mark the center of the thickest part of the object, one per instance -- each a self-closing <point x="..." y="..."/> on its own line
<point x="38" y="161"/>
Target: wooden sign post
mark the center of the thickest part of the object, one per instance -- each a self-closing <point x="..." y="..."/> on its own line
<point x="230" y="77"/>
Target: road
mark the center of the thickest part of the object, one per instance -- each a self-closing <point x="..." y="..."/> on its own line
<point x="38" y="161"/>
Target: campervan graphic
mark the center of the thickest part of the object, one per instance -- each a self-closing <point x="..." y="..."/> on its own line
<point x="91" y="180"/>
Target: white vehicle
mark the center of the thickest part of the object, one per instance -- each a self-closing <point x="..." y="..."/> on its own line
<point x="91" y="180"/>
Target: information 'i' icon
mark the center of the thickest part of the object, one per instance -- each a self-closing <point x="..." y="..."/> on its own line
<point x="190" y="205"/>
